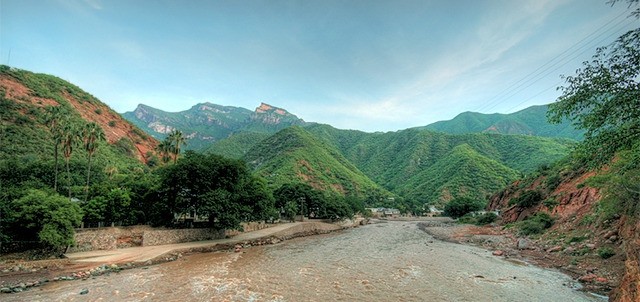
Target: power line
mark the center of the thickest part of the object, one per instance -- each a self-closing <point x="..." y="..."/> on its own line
<point x="533" y="76"/>
<point x="616" y="32"/>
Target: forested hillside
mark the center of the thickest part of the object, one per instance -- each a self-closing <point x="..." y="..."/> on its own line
<point x="529" y="121"/>
<point x="295" y="155"/>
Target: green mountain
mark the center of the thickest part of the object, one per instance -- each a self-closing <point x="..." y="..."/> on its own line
<point x="463" y="171"/>
<point x="529" y="121"/>
<point x="24" y="97"/>
<point x="420" y="164"/>
<point x="206" y="123"/>
<point x="295" y="155"/>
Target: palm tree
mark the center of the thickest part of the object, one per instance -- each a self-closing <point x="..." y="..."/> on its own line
<point x="53" y="117"/>
<point x="176" y="138"/>
<point x="69" y="139"/>
<point x="164" y="148"/>
<point x="91" y="135"/>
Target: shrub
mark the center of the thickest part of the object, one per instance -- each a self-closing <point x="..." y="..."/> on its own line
<point x="112" y="123"/>
<point x="552" y="182"/>
<point x="550" y="203"/>
<point x="98" y="111"/>
<point x="536" y="224"/>
<point x="606" y="252"/>
<point x="487" y="218"/>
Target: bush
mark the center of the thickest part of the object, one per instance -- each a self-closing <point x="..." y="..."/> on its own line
<point x="98" y="111"/>
<point x="487" y="218"/>
<point x="536" y="224"/>
<point x="460" y="206"/>
<point x="112" y="123"/>
<point x="606" y="252"/>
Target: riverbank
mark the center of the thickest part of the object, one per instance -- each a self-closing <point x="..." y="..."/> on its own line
<point x="595" y="276"/>
<point x="19" y="275"/>
<point x="392" y="261"/>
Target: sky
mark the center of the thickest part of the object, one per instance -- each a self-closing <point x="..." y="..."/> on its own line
<point x="365" y="65"/>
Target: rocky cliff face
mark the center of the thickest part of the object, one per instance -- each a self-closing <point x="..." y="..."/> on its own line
<point x="206" y="123"/>
<point x="575" y="204"/>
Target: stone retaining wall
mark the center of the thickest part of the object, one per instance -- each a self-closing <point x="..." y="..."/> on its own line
<point x="108" y="238"/>
<point x="111" y="238"/>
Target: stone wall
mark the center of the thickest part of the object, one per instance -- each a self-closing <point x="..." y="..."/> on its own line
<point x="111" y="238"/>
<point x="169" y="236"/>
<point x="108" y="238"/>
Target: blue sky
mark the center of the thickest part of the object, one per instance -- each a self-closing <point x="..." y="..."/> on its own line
<point x="366" y="65"/>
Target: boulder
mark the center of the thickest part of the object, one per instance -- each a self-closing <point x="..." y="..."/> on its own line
<point x="498" y="253"/>
<point x="587" y="278"/>
<point x="523" y="244"/>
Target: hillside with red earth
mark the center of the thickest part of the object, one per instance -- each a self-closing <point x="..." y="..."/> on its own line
<point x="113" y="125"/>
<point x="574" y="241"/>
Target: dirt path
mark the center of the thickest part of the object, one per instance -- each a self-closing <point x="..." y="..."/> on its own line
<point x="146" y="253"/>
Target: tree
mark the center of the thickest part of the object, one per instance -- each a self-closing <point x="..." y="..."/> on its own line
<point x="91" y="134"/>
<point x="604" y="99"/>
<point x="176" y="139"/>
<point x="53" y="117"/>
<point x="69" y="138"/>
<point x="164" y="148"/>
<point x="49" y="218"/>
<point x="460" y="206"/>
<point x="221" y="189"/>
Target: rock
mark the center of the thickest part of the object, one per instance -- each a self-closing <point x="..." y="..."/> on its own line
<point x="523" y="244"/>
<point x="613" y="238"/>
<point x="590" y="245"/>
<point x="84" y="291"/>
<point x="610" y="234"/>
<point x="16" y="268"/>
<point x="569" y="250"/>
<point x="5" y="290"/>
<point x="498" y="253"/>
<point x="588" y="278"/>
<point x="149" y="262"/>
<point x="591" y="270"/>
<point x="601" y="280"/>
<point x="22" y="285"/>
<point x="554" y="249"/>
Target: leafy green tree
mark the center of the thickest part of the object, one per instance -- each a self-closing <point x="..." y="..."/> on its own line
<point x="212" y="186"/>
<point x="92" y="134"/>
<point x="47" y="217"/>
<point x="604" y="99"/>
<point x="460" y="206"/>
<point x="176" y="140"/>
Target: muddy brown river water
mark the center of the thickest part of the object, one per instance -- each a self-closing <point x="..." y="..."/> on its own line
<point x="392" y="261"/>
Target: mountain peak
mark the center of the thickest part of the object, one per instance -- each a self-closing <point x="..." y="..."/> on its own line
<point x="266" y="108"/>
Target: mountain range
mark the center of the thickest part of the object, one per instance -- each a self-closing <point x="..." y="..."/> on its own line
<point x="417" y="164"/>
<point x="206" y="123"/>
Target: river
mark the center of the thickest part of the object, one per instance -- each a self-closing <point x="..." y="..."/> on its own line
<point x="392" y="261"/>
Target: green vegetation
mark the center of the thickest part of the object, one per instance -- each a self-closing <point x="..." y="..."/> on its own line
<point x="294" y="155"/>
<point x="220" y="189"/>
<point x="46" y="219"/>
<point x="535" y="224"/>
<point x="460" y="206"/>
<point x="529" y="121"/>
<point x="606" y="252"/>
